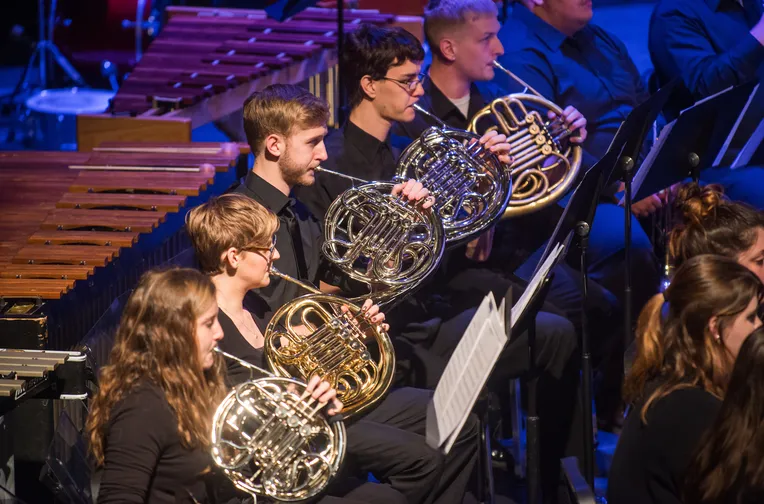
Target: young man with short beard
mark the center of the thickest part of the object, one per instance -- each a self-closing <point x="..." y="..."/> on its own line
<point x="285" y="127"/>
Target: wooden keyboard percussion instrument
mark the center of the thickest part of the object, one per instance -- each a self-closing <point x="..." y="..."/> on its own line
<point x="206" y="61"/>
<point x="79" y="228"/>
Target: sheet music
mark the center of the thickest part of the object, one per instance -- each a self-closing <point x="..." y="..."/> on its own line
<point x="733" y="131"/>
<point x="750" y="148"/>
<point x="647" y="164"/>
<point x="465" y="374"/>
<point x="535" y="283"/>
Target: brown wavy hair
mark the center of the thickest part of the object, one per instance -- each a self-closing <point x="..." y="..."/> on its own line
<point x="675" y="347"/>
<point x="709" y="223"/>
<point x="156" y="342"/>
<point x="728" y="466"/>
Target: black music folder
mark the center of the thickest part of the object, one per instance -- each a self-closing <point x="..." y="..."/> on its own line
<point x="582" y="205"/>
<point x="630" y="137"/>
<point x="691" y="143"/>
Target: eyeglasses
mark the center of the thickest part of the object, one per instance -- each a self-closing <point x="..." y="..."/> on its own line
<point x="270" y="249"/>
<point x="409" y="85"/>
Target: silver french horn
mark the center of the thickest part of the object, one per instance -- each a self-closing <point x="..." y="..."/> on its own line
<point x="471" y="186"/>
<point x="271" y="439"/>
<point x="381" y="240"/>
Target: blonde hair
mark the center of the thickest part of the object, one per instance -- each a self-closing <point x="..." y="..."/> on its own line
<point x="442" y="16"/>
<point x="156" y="342"/>
<point x="278" y="109"/>
<point x="228" y="221"/>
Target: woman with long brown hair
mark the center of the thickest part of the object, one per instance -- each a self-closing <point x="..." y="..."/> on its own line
<point x="150" y="422"/>
<point x="729" y="465"/>
<point x="709" y="223"/>
<point x="687" y="340"/>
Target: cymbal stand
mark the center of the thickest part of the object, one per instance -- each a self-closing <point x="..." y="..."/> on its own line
<point x="46" y="53"/>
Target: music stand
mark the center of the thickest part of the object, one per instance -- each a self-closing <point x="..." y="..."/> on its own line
<point x="691" y="142"/>
<point x="577" y="219"/>
<point x="629" y="139"/>
<point x="527" y="321"/>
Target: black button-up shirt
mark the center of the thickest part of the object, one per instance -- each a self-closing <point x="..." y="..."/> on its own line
<point x="280" y="292"/>
<point x="592" y="71"/>
<point x="707" y="43"/>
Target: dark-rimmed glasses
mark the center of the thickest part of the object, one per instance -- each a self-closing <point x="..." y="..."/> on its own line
<point x="409" y="85"/>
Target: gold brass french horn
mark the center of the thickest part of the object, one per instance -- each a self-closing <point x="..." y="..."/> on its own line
<point x="471" y="186"/>
<point x="314" y="335"/>
<point x="543" y="169"/>
<point x="271" y="439"/>
<point x="381" y="240"/>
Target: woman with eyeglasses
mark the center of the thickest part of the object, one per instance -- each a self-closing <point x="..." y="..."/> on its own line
<point x="233" y="239"/>
<point x="687" y="340"/>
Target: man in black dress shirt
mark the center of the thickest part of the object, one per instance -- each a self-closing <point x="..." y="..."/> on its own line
<point x="552" y="46"/>
<point x="285" y="127"/>
<point x="712" y="45"/>
<point x="462" y="35"/>
<point x="382" y="66"/>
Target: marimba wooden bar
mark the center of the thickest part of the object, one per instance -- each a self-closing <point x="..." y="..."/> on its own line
<point x="206" y="61"/>
<point x="79" y="228"/>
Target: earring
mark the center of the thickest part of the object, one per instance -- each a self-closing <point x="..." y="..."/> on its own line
<point x="717" y="337"/>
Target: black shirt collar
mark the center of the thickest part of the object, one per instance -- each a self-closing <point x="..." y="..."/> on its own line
<point x="444" y="108"/>
<point x="368" y="145"/>
<point x="268" y="195"/>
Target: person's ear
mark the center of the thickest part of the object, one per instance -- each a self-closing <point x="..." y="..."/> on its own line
<point x="447" y="48"/>
<point x="274" y="145"/>
<point x="369" y="86"/>
<point x="713" y="327"/>
<point x="232" y="257"/>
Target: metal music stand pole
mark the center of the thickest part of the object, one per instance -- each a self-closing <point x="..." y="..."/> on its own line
<point x="340" y="65"/>
<point x="582" y="230"/>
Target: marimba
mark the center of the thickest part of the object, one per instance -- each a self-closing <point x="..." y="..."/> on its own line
<point x="80" y="228"/>
<point x="206" y="61"/>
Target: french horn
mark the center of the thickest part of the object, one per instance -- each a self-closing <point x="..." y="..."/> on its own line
<point x="545" y="165"/>
<point x="271" y="439"/>
<point x="321" y="334"/>
<point x="471" y="186"/>
<point x="382" y="240"/>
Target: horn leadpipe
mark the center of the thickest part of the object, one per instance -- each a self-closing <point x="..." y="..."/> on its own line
<point x="244" y="363"/>
<point x="431" y="116"/>
<point x="517" y="79"/>
<point x="341" y="175"/>
<point x="273" y="271"/>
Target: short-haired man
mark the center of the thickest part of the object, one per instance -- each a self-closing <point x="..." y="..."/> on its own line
<point x="382" y="67"/>
<point x="285" y="127"/>
<point x="463" y="37"/>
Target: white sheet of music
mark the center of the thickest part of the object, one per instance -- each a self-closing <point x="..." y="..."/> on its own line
<point x="751" y="146"/>
<point x="647" y="164"/>
<point x="733" y="131"/>
<point x="535" y="282"/>
<point x="465" y="374"/>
